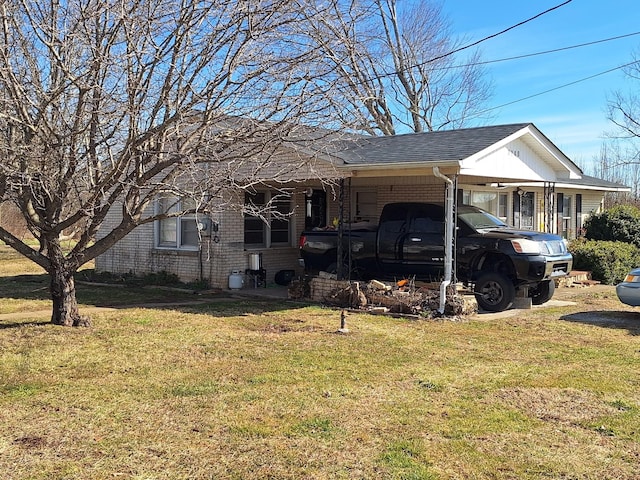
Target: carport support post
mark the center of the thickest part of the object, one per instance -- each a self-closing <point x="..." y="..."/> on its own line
<point x="339" y="272"/>
<point x="449" y="225"/>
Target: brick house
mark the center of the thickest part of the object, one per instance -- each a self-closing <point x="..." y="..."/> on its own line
<point x="513" y="171"/>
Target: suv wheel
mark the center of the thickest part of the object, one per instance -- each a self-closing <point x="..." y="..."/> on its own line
<point x="494" y="292"/>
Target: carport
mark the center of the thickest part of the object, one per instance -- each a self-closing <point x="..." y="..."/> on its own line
<point x="512" y="162"/>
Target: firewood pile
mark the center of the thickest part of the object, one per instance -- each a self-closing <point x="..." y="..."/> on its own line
<point x="397" y="298"/>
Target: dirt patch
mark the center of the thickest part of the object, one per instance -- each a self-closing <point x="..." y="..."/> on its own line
<point x="287" y="327"/>
<point x="564" y="405"/>
<point x="30" y="442"/>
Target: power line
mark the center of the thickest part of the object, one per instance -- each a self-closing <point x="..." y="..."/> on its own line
<point x="556" y="88"/>
<point x="545" y="52"/>
<point x="477" y="42"/>
<point x="489" y="37"/>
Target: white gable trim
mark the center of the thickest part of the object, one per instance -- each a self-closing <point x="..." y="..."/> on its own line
<point x="524" y="155"/>
<point x="570" y="169"/>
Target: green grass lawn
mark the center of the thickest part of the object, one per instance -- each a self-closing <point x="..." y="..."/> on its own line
<point x="249" y="389"/>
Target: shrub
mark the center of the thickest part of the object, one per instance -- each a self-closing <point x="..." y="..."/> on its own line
<point x="608" y="261"/>
<point x="617" y="224"/>
<point x="161" y="278"/>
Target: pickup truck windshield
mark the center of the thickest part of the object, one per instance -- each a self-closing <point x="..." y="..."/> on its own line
<point x="479" y="219"/>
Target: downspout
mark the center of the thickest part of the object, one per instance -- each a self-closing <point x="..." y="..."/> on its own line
<point x="449" y="225"/>
<point x="350" y="217"/>
<point x="340" y="249"/>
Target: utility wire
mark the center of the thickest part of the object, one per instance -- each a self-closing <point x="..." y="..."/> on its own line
<point x="545" y="52"/>
<point x="556" y="88"/>
<point x="477" y="42"/>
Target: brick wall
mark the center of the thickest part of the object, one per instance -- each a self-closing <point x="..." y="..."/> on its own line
<point x="136" y="253"/>
<point x="391" y="189"/>
<point x="321" y="288"/>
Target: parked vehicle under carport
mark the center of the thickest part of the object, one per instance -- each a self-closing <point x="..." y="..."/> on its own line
<point x="494" y="258"/>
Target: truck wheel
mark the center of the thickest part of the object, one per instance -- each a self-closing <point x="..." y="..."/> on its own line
<point x="494" y="292"/>
<point x="543" y="292"/>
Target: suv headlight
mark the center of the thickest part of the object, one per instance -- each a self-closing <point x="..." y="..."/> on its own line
<point x="529" y="247"/>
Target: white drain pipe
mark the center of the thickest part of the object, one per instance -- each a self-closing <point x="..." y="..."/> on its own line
<point x="449" y="225"/>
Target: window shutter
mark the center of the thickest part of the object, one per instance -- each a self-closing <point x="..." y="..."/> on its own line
<point x="559" y="211"/>
<point x="578" y="214"/>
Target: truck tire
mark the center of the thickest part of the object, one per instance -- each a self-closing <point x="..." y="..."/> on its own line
<point x="494" y="292"/>
<point x="543" y="292"/>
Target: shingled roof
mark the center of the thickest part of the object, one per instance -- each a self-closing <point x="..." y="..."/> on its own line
<point x="439" y="146"/>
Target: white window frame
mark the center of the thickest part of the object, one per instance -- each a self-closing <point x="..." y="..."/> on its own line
<point x="468" y="194"/>
<point x="568" y="220"/>
<point x="178" y="223"/>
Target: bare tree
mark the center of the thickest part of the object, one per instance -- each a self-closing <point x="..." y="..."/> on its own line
<point x="624" y="113"/>
<point x="611" y="164"/>
<point x="393" y="67"/>
<point x="619" y="157"/>
<point x="107" y="104"/>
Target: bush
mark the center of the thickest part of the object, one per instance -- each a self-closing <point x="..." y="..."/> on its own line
<point x="607" y="261"/>
<point x="161" y="278"/>
<point x="617" y="224"/>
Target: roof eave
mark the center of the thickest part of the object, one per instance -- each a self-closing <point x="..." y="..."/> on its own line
<point x="401" y="165"/>
<point x="449" y="167"/>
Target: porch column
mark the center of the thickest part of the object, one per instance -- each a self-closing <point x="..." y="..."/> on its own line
<point x="449" y="236"/>
<point x="549" y="213"/>
<point x="339" y="256"/>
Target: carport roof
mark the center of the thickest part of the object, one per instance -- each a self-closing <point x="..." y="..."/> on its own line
<point x="439" y="146"/>
<point x="593" y="183"/>
<point x="465" y="148"/>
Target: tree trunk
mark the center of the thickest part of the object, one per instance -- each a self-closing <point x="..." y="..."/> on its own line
<point x="63" y="294"/>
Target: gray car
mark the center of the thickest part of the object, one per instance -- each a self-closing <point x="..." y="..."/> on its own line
<point x="629" y="290"/>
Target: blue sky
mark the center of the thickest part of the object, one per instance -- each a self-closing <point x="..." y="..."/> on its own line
<point x="574" y="117"/>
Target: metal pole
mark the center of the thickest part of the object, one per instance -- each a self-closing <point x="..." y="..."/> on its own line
<point x="449" y="226"/>
<point x="349" y="235"/>
<point x="339" y="272"/>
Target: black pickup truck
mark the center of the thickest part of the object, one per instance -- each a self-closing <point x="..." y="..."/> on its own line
<point x="493" y="258"/>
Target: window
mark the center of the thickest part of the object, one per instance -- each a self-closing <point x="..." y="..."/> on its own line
<point x="365" y="206"/>
<point x="272" y="230"/>
<point x="424" y="223"/>
<point x="280" y="221"/>
<point x="492" y="202"/>
<point x="567" y="217"/>
<point x="254" y="227"/>
<point x="177" y="232"/>
<point x="395" y="218"/>
<point x="502" y="206"/>
<point x="566" y="207"/>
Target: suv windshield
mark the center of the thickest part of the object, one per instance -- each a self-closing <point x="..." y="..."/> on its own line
<point x="479" y="219"/>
